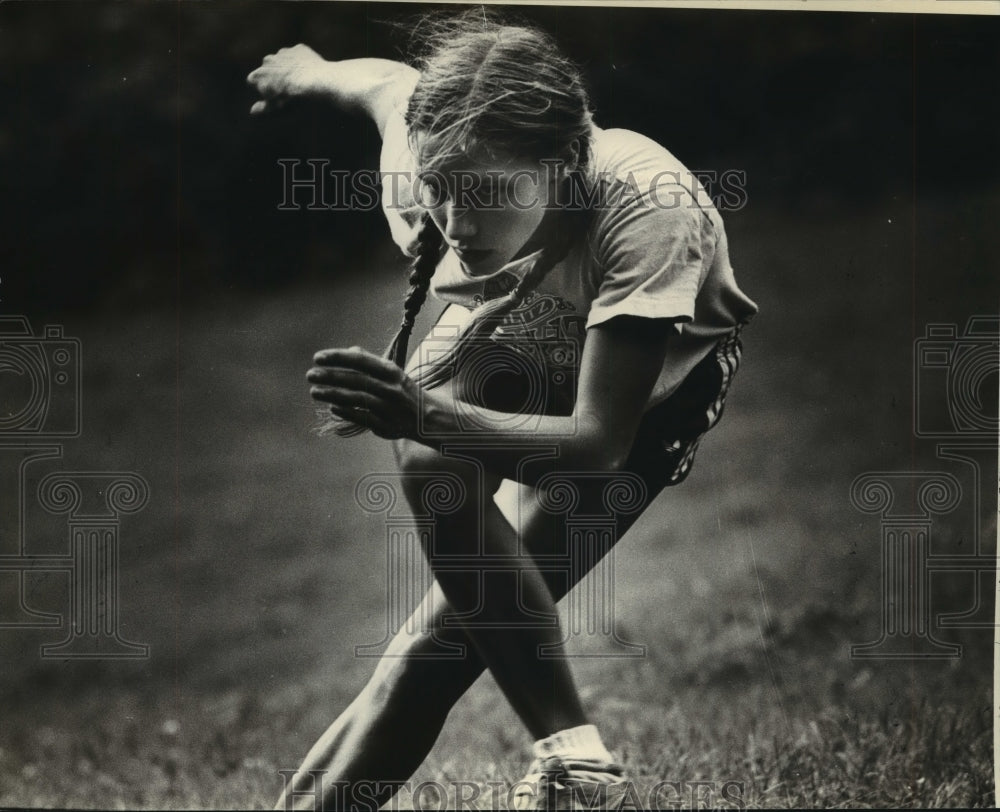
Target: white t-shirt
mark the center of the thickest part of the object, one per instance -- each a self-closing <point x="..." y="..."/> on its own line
<point x="655" y="248"/>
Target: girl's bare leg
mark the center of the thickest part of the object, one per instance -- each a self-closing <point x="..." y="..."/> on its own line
<point x="501" y="588"/>
<point x="387" y="731"/>
<point x="390" y="727"/>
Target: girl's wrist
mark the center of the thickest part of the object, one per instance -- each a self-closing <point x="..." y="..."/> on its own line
<point x="435" y="420"/>
<point x="323" y="82"/>
<point x="360" y="85"/>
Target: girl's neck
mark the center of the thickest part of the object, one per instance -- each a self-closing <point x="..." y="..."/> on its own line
<point x="546" y="231"/>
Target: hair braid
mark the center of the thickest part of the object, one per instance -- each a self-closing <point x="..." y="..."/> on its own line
<point x="429" y="244"/>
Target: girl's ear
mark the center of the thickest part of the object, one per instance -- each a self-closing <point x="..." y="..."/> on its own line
<point x="566" y="164"/>
<point x="571" y="160"/>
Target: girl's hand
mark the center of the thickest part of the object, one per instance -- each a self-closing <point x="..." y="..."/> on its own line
<point x="368" y="390"/>
<point x="295" y="71"/>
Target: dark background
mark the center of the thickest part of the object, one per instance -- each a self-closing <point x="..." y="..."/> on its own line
<point x="133" y="175"/>
<point x="141" y="213"/>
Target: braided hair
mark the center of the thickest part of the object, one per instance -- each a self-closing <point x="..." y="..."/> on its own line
<point x="486" y="86"/>
<point x="429" y="245"/>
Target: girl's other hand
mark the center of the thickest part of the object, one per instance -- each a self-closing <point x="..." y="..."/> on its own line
<point x="291" y="72"/>
<point x="368" y="390"/>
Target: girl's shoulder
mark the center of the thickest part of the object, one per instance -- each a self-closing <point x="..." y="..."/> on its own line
<point x="616" y="147"/>
<point x="627" y="165"/>
<point x="648" y="210"/>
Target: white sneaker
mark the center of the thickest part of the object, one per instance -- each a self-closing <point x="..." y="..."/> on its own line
<point x="554" y="783"/>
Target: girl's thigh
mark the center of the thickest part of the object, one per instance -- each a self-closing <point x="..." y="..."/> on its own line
<point x="549" y="524"/>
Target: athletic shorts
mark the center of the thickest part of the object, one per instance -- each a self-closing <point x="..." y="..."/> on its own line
<point x="670" y="432"/>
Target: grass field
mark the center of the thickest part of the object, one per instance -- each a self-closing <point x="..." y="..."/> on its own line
<point x="253" y="574"/>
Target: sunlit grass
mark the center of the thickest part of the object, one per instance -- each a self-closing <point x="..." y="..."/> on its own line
<point x="224" y="753"/>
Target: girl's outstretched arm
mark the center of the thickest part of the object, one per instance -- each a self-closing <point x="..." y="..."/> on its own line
<point x="370" y="86"/>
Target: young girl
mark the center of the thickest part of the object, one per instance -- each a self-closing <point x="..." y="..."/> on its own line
<point x="593" y="331"/>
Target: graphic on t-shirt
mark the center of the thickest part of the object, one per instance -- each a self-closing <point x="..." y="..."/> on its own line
<point x="541" y="316"/>
<point x="551" y="325"/>
<point x="548" y="321"/>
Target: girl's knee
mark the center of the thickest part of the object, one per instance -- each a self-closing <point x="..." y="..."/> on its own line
<point x="413" y="457"/>
<point x="437" y="482"/>
<point x="420" y="467"/>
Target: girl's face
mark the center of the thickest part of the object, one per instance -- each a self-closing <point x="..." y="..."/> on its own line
<point x="487" y="211"/>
